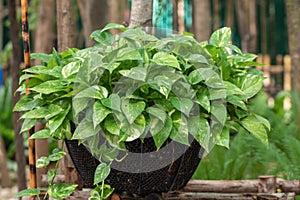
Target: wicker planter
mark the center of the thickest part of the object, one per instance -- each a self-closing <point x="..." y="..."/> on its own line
<point x="144" y="170"/>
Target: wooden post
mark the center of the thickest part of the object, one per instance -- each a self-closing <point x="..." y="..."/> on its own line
<point x="267" y="184"/>
<point x="266" y="69"/>
<point x="287" y="77"/>
<point x="287" y="73"/>
<point x="27" y="63"/>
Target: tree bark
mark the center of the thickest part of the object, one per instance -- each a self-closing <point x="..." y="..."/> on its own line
<point x="175" y="15"/>
<point x="94" y="15"/>
<point x="263" y="27"/>
<point x="14" y="71"/>
<point x="201" y="19"/>
<point x="5" y="181"/>
<point x="246" y="11"/>
<point x="117" y="12"/>
<point x="141" y="13"/>
<point x="229" y="18"/>
<point x="66" y="25"/>
<point x="45" y="32"/>
<point x="66" y="38"/>
<point x="216" y="14"/>
<point x="293" y="23"/>
<point x="45" y="27"/>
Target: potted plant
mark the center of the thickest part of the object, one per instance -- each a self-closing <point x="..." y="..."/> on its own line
<point x="163" y="96"/>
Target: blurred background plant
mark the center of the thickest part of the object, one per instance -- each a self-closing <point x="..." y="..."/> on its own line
<point x="248" y="158"/>
<point x="6" y="122"/>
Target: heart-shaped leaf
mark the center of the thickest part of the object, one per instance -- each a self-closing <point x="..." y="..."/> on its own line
<point x="61" y="190"/>
<point x="180" y="130"/>
<point x="56" y="155"/>
<point x="101" y="173"/>
<point x="184" y="105"/>
<point x="200" y="129"/>
<point x="136" y="73"/>
<point x="131" y="109"/>
<point x="113" y="102"/>
<point x="95" y="92"/>
<point x="100" y="112"/>
<point x="163" y="58"/>
<point x="29" y="192"/>
<point x="161" y="137"/>
<point x="42" y="162"/>
<point x="221" y="37"/>
<point x="158" y="113"/>
<point x="256" y="127"/>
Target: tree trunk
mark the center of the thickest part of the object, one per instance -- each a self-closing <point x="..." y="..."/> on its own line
<point x="201" y="19"/>
<point x="216" y="14"/>
<point x="5" y="181"/>
<point x="141" y="13"/>
<point x="94" y="15"/>
<point x="66" y="25"/>
<point x="117" y="12"/>
<point x="14" y="71"/>
<point x="263" y="28"/>
<point x="246" y="11"/>
<point x="45" y="32"/>
<point x="293" y="23"/>
<point x="66" y="38"/>
<point x="229" y="18"/>
<point x="45" y="27"/>
<point x="175" y="15"/>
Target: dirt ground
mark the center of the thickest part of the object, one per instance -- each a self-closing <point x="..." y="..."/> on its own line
<point x="8" y="193"/>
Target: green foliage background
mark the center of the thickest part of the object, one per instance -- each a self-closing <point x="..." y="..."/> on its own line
<point x="247" y="158"/>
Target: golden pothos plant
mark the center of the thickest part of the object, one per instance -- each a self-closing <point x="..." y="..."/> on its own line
<point x="134" y="84"/>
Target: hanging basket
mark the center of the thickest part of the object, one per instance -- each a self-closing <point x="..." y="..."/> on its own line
<point x="173" y="166"/>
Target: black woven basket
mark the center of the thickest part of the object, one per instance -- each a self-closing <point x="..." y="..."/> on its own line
<point x="137" y="176"/>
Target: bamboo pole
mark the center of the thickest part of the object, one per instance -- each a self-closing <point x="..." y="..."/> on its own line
<point x="27" y="63"/>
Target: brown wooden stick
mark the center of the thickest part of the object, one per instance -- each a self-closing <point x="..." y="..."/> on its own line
<point x="239" y="186"/>
<point x="27" y="63"/>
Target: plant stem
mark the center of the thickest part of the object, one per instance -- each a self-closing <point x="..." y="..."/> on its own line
<point x="102" y="189"/>
<point x="55" y="171"/>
